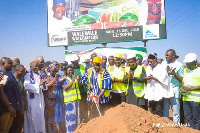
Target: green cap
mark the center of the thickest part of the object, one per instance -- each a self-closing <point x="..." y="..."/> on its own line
<point x="139" y="55"/>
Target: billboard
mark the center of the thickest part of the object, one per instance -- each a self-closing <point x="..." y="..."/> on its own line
<point x="77" y="22"/>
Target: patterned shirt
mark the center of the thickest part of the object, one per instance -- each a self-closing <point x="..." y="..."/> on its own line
<point x="106" y="84"/>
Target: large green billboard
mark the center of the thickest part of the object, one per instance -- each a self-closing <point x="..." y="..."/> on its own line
<point x="80" y="22"/>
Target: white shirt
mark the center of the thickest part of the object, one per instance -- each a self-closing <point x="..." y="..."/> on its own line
<point x="57" y="26"/>
<point x="155" y="91"/>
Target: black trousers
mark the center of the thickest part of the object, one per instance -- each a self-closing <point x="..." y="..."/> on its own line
<point x="117" y="98"/>
<point x="182" y="117"/>
<point x="84" y="108"/>
<point x="156" y="107"/>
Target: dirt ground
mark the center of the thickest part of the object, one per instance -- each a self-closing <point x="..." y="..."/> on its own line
<point x="126" y="118"/>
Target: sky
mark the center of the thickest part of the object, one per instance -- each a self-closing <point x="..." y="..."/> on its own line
<point x="23" y="31"/>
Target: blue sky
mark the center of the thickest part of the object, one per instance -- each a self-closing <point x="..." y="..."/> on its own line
<point x="23" y="31"/>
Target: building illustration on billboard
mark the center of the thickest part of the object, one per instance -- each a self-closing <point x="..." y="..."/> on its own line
<point x="77" y="22"/>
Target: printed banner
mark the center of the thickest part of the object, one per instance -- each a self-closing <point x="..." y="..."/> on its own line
<point x="105" y="51"/>
<point x="77" y="22"/>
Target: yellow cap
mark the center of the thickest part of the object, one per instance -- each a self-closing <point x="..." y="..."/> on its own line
<point x="118" y="55"/>
<point x="97" y="60"/>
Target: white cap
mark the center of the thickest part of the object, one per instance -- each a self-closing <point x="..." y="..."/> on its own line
<point x="129" y="56"/>
<point x="190" y="57"/>
<point x="74" y="57"/>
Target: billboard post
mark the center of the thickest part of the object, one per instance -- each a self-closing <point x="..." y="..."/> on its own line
<point x="145" y="43"/>
<point x="104" y="44"/>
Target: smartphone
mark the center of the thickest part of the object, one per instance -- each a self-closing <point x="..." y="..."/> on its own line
<point x="173" y="69"/>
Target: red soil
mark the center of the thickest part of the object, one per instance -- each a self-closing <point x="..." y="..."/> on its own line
<point x="126" y="118"/>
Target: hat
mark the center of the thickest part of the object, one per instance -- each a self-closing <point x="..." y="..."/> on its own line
<point x="58" y="1"/>
<point x="74" y="57"/>
<point x="118" y="55"/>
<point x="140" y="56"/>
<point x="87" y="60"/>
<point x="190" y="57"/>
<point x="97" y="60"/>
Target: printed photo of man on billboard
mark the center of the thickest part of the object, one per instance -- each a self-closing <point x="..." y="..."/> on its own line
<point x="59" y="22"/>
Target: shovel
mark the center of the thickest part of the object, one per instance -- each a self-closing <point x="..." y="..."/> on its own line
<point x="93" y="97"/>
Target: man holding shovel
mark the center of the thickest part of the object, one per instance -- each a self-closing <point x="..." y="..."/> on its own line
<point x="99" y="85"/>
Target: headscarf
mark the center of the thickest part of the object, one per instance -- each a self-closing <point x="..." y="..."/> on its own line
<point x="51" y="67"/>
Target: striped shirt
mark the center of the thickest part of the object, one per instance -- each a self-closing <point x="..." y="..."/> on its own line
<point x="106" y="84"/>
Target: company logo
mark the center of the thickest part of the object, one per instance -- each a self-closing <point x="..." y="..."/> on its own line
<point x="149" y="34"/>
<point x="151" y="31"/>
<point x="58" y="39"/>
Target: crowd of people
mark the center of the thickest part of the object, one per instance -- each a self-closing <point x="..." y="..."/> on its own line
<point x="57" y="97"/>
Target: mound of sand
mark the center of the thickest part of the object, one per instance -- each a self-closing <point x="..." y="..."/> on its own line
<point x="126" y="118"/>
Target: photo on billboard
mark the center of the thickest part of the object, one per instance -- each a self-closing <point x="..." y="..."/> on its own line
<point x="74" y="22"/>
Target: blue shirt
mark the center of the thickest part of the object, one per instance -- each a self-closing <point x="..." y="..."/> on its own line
<point x="106" y="84"/>
<point x="12" y="91"/>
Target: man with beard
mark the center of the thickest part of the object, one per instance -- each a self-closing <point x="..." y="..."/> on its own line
<point x="136" y="82"/>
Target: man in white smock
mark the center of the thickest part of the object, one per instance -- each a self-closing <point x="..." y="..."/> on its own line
<point x="34" y="121"/>
<point x="157" y="85"/>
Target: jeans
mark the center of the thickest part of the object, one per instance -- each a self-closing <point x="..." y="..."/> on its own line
<point x="175" y="104"/>
<point x="192" y="114"/>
